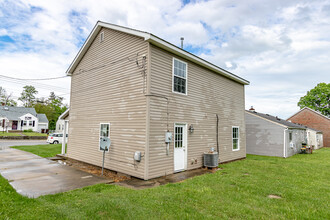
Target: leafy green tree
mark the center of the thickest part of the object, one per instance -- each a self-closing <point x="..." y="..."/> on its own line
<point x="53" y="107"/>
<point x="28" y="96"/>
<point x="6" y="98"/>
<point x="318" y="99"/>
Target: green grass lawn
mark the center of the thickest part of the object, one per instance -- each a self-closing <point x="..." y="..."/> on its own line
<point x="48" y="150"/>
<point x="34" y="134"/>
<point x="9" y="134"/>
<point x="20" y="134"/>
<point x="238" y="191"/>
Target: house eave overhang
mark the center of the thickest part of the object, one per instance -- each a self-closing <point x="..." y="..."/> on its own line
<point x="193" y="58"/>
<point x="155" y="41"/>
<point x="64" y="114"/>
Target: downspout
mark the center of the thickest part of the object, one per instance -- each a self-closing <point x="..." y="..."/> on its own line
<point x="217" y="130"/>
<point x="284" y="145"/>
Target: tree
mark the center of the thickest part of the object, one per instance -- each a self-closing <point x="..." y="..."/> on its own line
<point x="6" y="98"/>
<point x="53" y="107"/>
<point x="318" y="99"/>
<point x="28" y="96"/>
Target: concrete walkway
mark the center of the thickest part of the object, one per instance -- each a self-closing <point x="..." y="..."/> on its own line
<point x="4" y="144"/>
<point x="33" y="176"/>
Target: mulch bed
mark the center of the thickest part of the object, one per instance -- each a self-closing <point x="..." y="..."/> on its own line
<point x="95" y="170"/>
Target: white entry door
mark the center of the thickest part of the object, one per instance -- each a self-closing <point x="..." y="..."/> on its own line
<point x="180" y="147"/>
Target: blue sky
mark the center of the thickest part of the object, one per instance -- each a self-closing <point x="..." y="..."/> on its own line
<point x="281" y="47"/>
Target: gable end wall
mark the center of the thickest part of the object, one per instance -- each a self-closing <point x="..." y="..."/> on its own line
<point x="112" y="91"/>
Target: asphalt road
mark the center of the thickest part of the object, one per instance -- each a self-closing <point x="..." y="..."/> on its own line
<point x="4" y="144"/>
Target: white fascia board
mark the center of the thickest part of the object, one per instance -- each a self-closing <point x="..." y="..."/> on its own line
<point x="64" y="114"/>
<point x="126" y="30"/>
<point x="156" y="41"/>
<point x="92" y="36"/>
<point x="171" y="48"/>
<point x="284" y="126"/>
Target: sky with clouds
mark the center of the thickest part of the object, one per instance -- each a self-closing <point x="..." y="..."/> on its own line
<point x="282" y="47"/>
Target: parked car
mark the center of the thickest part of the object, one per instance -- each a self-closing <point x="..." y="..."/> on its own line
<point x="55" y="138"/>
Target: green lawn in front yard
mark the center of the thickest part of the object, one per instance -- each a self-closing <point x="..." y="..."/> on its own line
<point x="238" y="191"/>
<point x="22" y="133"/>
<point x="9" y="134"/>
<point x="48" y="150"/>
<point x="34" y="134"/>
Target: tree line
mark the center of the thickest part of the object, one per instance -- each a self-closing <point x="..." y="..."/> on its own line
<point x="52" y="106"/>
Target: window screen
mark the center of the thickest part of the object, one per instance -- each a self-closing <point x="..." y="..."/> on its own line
<point x="235" y="138"/>
<point x="179" y="76"/>
<point x="104" y="131"/>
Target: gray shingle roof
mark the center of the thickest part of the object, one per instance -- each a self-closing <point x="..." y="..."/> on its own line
<point x="13" y="113"/>
<point x="278" y="120"/>
<point x="42" y="118"/>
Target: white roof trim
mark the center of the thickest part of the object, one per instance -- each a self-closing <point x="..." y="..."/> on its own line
<point x="284" y="126"/>
<point x="311" y="110"/>
<point x="64" y="114"/>
<point x="154" y="40"/>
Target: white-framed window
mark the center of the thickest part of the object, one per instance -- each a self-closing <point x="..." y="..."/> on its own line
<point x="104" y="132"/>
<point x="235" y="138"/>
<point x="102" y="36"/>
<point x="179" y="72"/>
<point x="30" y="123"/>
<point x="24" y="123"/>
<point x="290" y="136"/>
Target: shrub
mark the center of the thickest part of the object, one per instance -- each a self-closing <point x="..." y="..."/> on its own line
<point x="28" y="130"/>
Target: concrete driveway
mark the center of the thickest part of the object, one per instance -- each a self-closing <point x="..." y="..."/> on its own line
<point x="4" y="144"/>
<point x="33" y="176"/>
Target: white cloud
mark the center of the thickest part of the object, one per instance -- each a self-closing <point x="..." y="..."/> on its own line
<point x="282" y="46"/>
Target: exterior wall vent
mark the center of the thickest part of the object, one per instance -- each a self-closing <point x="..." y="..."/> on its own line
<point x="102" y="36"/>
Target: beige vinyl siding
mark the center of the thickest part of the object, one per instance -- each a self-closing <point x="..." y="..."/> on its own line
<point x="208" y="94"/>
<point x="110" y="92"/>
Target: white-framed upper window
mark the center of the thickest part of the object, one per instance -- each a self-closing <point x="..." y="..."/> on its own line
<point x="104" y="132"/>
<point x="179" y="72"/>
<point x="102" y="36"/>
<point x="235" y="137"/>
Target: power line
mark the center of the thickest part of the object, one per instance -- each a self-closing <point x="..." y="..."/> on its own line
<point x="39" y="85"/>
<point x="44" y="79"/>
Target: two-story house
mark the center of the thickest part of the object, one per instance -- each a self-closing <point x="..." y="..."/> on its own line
<point x="134" y="87"/>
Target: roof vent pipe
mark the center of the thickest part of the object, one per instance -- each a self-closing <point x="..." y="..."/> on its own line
<point x="252" y="109"/>
<point x="182" y="38"/>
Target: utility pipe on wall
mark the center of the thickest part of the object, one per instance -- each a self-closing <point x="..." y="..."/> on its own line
<point x="217" y="130"/>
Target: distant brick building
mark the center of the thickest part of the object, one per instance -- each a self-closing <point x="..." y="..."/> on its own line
<point x="313" y="119"/>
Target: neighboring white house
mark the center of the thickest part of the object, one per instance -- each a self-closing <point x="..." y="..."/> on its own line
<point x="21" y="118"/>
<point x="314" y="138"/>
<point x="271" y="136"/>
<point x="60" y="123"/>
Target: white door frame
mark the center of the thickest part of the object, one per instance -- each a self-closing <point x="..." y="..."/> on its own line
<point x="185" y="144"/>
